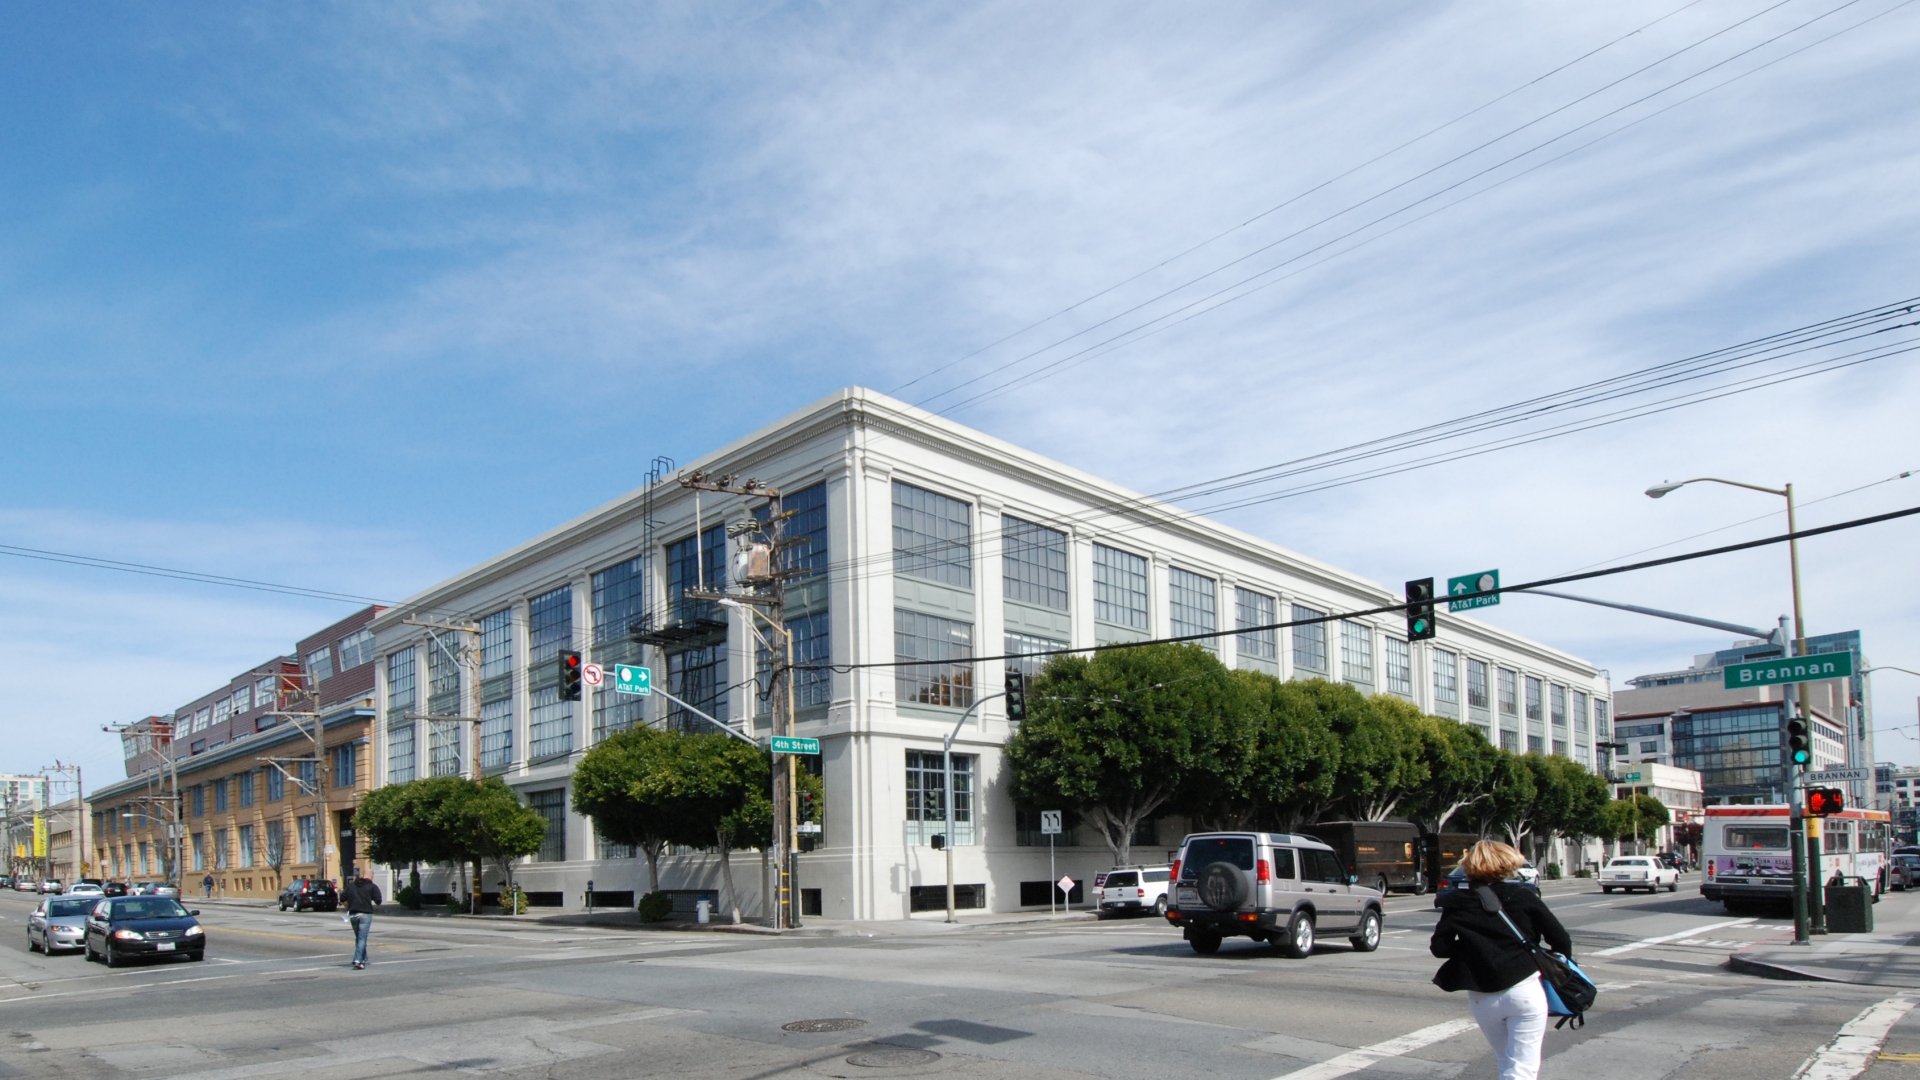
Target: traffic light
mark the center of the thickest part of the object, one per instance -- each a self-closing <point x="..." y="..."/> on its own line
<point x="569" y="675"/>
<point x="1797" y="740"/>
<point x="1822" y="801"/>
<point x="1016" y="696"/>
<point x="1420" y="625"/>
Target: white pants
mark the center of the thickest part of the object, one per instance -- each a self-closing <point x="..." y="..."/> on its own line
<point x="1514" y="1021"/>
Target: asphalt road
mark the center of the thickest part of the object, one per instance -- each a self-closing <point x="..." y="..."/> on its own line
<point x="276" y="997"/>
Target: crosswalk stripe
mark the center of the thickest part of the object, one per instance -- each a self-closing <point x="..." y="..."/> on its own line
<point x="1855" y="1047"/>
<point x="1664" y="938"/>
<point x="1354" y="1060"/>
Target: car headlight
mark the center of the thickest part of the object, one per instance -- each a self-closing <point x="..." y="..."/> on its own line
<point x="129" y="935"/>
<point x="193" y="931"/>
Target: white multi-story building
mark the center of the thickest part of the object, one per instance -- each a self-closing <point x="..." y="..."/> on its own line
<point x="925" y="540"/>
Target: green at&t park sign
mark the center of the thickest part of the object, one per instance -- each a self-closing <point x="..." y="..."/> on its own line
<point x="1484" y="582"/>
<point x="1790" y="670"/>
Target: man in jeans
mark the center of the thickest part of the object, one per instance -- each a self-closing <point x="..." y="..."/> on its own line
<point x="363" y="898"/>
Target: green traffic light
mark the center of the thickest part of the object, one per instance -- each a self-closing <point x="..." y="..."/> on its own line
<point x="1800" y="757"/>
<point x="1419" y="626"/>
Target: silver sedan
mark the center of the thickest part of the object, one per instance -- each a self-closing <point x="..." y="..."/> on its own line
<point x="59" y="924"/>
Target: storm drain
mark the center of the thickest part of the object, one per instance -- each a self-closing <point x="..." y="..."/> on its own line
<point x="892" y="1057"/>
<point x="835" y="1023"/>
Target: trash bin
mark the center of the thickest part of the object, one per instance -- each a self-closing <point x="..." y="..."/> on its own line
<point x="702" y="910"/>
<point x="1850" y="906"/>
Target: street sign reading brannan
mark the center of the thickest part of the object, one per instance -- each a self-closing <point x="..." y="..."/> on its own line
<point x="1791" y="670"/>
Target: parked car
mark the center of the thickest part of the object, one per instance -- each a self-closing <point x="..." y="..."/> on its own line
<point x="1528" y="873"/>
<point x="114" y="888"/>
<point x="143" y="926"/>
<point x="86" y="888"/>
<point x="24" y="883"/>
<point x="51" y="887"/>
<point x="1134" y="890"/>
<point x="1457" y="879"/>
<point x="155" y="888"/>
<point x="302" y="894"/>
<point x="1280" y="888"/>
<point x="6" y="881"/>
<point x="1904" y="872"/>
<point x="59" y="924"/>
<point x="1630" y="872"/>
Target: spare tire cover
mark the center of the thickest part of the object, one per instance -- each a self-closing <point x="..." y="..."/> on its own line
<point x="1223" y="886"/>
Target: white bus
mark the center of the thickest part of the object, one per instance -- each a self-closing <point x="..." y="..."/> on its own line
<point x="1747" y="859"/>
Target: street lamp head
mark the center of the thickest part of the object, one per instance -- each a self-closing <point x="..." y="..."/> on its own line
<point x="729" y="602"/>
<point x="1663" y="487"/>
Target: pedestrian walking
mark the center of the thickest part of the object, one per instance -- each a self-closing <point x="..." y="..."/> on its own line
<point x="1493" y="964"/>
<point x="363" y="899"/>
<point x="207" y="884"/>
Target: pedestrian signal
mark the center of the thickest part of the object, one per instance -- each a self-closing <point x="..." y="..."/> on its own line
<point x="1822" y="801"/>
<point x="1420" y="625"/>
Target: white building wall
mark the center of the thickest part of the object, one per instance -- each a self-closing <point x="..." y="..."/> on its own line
<point x="859" y="443"/>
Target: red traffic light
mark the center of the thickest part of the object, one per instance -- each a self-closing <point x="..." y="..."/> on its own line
<point x="1822" y="801"/>
<point x="569" y="675"/>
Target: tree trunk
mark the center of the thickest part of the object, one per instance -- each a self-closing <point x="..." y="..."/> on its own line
<point x="413" y="876"/>
<point x="653" y="852"/>
<point x="726" y="874"/>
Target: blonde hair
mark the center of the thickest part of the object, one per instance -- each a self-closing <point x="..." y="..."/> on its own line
<point x="1491" y="860"/>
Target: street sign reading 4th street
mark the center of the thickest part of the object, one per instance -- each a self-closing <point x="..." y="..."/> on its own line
<point x="791" y="744"/>
<point x="629" y="679"/>
<point x="1485" y="582"/>
<point x="1793" y="669"/>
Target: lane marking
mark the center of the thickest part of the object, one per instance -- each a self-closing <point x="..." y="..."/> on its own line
<point x="1858" y="1042"/>
<point x="1664" y="938"/>
<point x="300" y="937"/>
<point x="1354" y="1060"/>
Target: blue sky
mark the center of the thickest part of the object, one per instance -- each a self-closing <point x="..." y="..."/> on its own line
<point x="354" y="296"/>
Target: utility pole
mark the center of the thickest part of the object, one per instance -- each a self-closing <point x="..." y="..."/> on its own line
<point x="80" y="815"/>
<point x="765" y="578"/>
<point x="468" y="659"/>
<point x="159" y="740"/>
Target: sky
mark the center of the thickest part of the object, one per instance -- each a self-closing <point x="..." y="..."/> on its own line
<point x="354" y="296"/>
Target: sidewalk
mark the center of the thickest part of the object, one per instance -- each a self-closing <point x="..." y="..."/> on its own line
<point x="1890" y="956"/>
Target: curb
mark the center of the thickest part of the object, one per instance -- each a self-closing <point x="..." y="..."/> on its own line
<point x="1764" y="970"/>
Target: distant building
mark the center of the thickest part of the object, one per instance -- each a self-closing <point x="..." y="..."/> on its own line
<point x="257" y="801"/>
<point x="1736" y="739"/>
<point x="1679" y="790"/>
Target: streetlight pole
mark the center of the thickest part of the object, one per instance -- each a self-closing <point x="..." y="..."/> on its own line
<point x="1809" y="915"/>
<point x="946" y="754"/>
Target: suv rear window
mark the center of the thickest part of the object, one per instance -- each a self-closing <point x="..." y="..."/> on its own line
<point x="1122" y="878"/>
<point x="1206" y="851"/>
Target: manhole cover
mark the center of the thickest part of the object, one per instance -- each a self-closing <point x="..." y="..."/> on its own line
<point x="892" y="1057"/>
<point x="836" y="1023"/>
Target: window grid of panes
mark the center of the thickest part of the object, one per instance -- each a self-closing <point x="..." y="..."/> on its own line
<point x="698" y="676"/>
<point x="549" y="630"/>
<point x="619" y="604"/>
<point x="344" y="767"/>
<point x="1193" y="606"/>
<point x="1309" y="641"/>
<point x="399" y="727"/>
<point x="245" y="785"/>
<point x="551" y="805"/>
<point x="919" y="636"/>
<point x="1477" y="689"/>
<point x="356" y="649"/>
<point x="1033" y="563"/>
<point x="813" y="683"/>
<point x="1399" y="665"/>
<point x="1356" y="653"/>
<point x="276" y="784"/>
<point x="306" y="828"/>
<point x="926" y="798"/>
<point x="1446" y="683"/>
<point x="695" y="563"/>
<point x="1535" y="710"/>
<point x="1022" y="649"/>
<point x="1119" y="587"/>
<point x="932" y="536"/>
<point x="1255" y="609"/>
<point x="1508" y="687"/>
<point x="1557" y="705"/>
<point x="276" y="842"/>
<point x="496" y="689"/>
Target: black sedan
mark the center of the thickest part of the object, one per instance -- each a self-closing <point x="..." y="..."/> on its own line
<point x="1457" y="879"/>
<point x="126" y="927"/>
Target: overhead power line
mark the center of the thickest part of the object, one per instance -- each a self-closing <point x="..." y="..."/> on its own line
<point x="185" y="575"/>
<point x="1212" y="635"/>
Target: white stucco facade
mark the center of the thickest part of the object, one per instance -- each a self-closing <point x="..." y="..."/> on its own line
<point x="862" y="447"/>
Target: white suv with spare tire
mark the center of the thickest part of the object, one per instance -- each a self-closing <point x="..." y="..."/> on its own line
<point x="1281" y="888"/>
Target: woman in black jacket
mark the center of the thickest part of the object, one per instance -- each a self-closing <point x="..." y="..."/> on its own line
<point x="1491" y="963"/>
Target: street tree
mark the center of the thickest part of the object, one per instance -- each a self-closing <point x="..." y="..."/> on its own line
<point x="490" y="822"/>
<point x="401" y="824"/>
<point x="1382" y="759"/>
<point x="604" y="787"/>
<point x="1461" y="771"/>
<point x="1635" y="819"/>
<point x="1511" y="791"/>
<point x="1294" y="761"/>
<point x="709" y="788"/>
<point x="1129" y="732"/>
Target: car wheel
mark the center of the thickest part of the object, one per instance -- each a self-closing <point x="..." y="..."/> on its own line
<point x="1205" y="944"/>
<point x="1160" y="906"/>
<point x="32" y="946"/>
<point x="1297" y="942"/>
<point x="196" y="957"/>
<point x="1368" y="939"/>
<point x="1381" y="884"/>
<point x="1419" y="885"/>
<point x="1606" y="888"/>
<point x="112" y="958"/>
<point x="1674" y="885"/>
